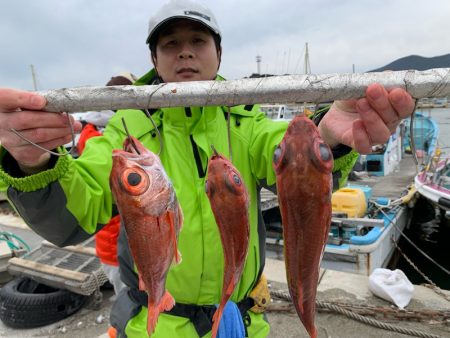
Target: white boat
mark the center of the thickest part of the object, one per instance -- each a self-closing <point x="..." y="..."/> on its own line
<point x="278" y="112"/>
<point x="363" y="240"/>
<point x="357" y="244"/>
<point x="360" y="245"/>
<point x="433" y="182"/>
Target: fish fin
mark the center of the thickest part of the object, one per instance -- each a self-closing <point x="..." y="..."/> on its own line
<point x="142" y="286"/>
<point x="180" y="218"/>
<point x="177" y="256"/>
<point x="172" y="218"/>
<point x="166" y="303"/>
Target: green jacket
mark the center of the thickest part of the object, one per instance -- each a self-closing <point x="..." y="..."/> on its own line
<point x="78" y="189"/>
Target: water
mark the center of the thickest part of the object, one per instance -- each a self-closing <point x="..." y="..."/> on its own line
<point x="430" y="234"/>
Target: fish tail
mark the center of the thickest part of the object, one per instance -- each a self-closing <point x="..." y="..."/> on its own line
<point x="219" y="312"/>
<point x="312" y="331"/>
<point x="216" y="319"/>
<point x="167" y="302"/>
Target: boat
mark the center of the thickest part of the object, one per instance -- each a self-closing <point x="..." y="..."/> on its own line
<point x="433" y="182"/>
<point x="278" y="112"/>
<point x="369" y="214"/>
<point x="385" y="158"/>
<point x="359" y="243"/>
<point x="425" y="133"/>
<point x="363" y="232"/>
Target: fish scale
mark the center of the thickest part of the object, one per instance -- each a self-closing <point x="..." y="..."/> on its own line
<point x="152" y="217"/>
<point x="229" y="201"/>
<point x="303" y="165"/>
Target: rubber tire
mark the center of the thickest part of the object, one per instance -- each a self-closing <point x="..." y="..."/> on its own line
<point x="25" y="303"/>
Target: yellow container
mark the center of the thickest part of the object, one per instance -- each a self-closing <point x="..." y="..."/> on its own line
<point x="350" y="201"/>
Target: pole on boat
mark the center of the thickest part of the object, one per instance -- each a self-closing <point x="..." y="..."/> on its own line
<point x="276" y="89"/>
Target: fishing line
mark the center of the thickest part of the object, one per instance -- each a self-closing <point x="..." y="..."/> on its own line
<point x="47" y="150"/>
<point x="161" y="145"/>
<point x="229" y="132"/>
<point x="411" y="136"/>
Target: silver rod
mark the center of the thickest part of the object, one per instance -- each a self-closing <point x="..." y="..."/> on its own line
<point x="276" y="89"/>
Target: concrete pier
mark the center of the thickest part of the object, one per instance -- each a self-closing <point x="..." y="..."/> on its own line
<point x="341" y="287"/>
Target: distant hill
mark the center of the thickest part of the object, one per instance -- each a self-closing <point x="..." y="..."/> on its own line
<point x="417" y="62"/>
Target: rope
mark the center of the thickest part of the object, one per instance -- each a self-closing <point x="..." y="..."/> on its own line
<point x="365" y="320"/>
<point x="431" y="284"/>
<point x="413" y="244"/>
<point x="9" y="238"/>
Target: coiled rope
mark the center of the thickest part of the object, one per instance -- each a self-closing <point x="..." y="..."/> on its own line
<point x="360" y="318"/>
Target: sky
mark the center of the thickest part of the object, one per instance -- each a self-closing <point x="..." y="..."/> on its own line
<point x="84" y="42"/>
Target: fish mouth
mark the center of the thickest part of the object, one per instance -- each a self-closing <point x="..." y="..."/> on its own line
<point x="130" y="156"/>
<point x="119" y="153"/>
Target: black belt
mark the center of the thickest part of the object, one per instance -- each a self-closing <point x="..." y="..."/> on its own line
<point x="200" y="315"/>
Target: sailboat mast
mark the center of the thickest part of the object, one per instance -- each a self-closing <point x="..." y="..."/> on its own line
<point x="307" y="66"/>
<point x="33" y="75"/>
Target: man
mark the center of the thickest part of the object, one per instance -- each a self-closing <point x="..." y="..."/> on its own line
<point x="184" y="40"/>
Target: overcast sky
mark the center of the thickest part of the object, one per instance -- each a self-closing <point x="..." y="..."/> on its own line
<point x="85" y="42"/>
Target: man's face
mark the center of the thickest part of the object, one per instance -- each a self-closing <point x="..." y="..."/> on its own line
<point x="185" y="51"/>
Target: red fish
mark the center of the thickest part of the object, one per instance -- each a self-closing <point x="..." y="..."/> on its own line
<point x="303" y="164"/>
<point x="152" y="217"/>
<point x="229" y="201"/>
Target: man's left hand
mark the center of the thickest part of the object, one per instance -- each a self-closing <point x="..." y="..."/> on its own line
<point x="368" y="121"/>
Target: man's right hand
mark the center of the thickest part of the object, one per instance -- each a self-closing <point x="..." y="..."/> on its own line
<point x="22" y="111"/>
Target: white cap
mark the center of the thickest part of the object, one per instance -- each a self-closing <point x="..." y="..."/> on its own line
<point x="182" y="9"/>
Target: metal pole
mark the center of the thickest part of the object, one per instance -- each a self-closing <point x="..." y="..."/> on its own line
<point x="276" y="89"/>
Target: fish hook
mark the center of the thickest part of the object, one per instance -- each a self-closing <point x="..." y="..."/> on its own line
<point x="129" y="136"/>
<point x="47" y="150"/>
<point x="157" y="131"/>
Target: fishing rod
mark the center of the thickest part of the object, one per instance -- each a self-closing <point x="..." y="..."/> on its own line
<point x="275" y="89"/>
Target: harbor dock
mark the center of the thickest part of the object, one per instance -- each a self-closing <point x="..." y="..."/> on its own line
<point x="428" y="312"/>
<point x="345" y="305"/>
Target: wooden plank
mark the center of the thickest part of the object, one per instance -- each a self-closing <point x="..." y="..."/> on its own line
<point x="50" y="270"/>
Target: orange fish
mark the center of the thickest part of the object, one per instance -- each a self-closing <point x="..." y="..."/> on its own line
<point x="303" y="164"/>
<point x="152" y="217"/>
<point x="229" y="201"/>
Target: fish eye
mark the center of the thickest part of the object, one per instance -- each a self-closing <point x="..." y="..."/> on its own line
<point x="324" y="152"/>
<point x="134" y="179"/>
<point x="277" y="155"/>
<point x="236" y="179"/>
